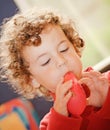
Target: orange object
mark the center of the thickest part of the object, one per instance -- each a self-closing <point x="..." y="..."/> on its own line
<point x="19" y="114"/>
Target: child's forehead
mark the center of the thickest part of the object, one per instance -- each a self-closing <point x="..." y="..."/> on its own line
<point x="52" y="33"/>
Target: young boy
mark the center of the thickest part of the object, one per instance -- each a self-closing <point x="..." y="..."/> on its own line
<point x="37" y="49"/>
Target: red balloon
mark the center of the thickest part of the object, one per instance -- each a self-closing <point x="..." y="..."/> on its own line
<point x="77" y="102"/>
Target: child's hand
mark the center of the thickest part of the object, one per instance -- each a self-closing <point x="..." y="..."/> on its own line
<point x="98" y="85"/>
<point x="63" y="95"/>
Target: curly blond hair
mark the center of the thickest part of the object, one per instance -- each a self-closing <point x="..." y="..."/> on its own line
<point x="22" y="30"/>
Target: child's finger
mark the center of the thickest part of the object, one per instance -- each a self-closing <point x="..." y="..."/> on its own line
<point x="91" y="74"/>
<point x="86" y="81"/>
<point x="63" y="88"/>
<point x="68" y="96"/>
<point x="59" y="84"/>
<point x="66" y="86"/>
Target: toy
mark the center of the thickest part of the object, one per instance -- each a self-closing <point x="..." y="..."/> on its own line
<point x="77" y="102"/>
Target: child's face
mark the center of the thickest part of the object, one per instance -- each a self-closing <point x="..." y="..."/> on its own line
<point x="53" y="58"/>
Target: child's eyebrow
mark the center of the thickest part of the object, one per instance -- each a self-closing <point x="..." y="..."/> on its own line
<point x="46" y="53"/>
<point x="62" y="42"/>
<point x="41" y="55"/>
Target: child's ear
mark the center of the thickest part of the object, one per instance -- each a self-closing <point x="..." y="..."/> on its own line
<point x="35" y="83"/>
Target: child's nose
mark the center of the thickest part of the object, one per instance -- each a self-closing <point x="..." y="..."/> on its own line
<point x="60" y="61"/>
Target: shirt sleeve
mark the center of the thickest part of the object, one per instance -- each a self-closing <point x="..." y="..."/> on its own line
<point x="105" y="110"/>
<point x="56" y="121"/>
<point x="100" y="119"/>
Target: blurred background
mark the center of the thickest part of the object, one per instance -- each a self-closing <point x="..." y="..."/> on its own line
<point x="92" y="20"/>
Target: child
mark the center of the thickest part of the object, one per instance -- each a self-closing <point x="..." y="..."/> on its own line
<point x="37" y="49"/>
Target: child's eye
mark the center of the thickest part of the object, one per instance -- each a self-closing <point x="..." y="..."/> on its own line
<point x="64" y="50"/>
<point x="46" y="62"/>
